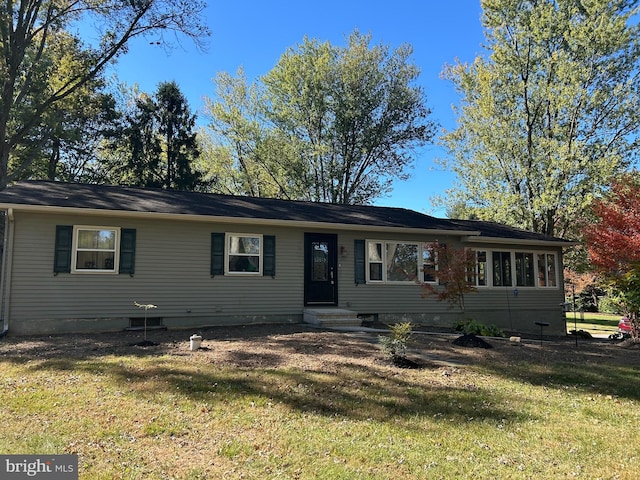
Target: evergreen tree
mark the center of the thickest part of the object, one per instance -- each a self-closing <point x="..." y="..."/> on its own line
<point x="158" y="144"/>
<point x="33" y="80"/>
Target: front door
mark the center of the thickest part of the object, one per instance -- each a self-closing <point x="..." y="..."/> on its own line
<point x="320" y="269"/>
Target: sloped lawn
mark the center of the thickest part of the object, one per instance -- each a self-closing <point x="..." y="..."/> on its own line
<point x="297" y="403"/>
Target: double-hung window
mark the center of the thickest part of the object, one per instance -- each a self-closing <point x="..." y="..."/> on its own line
<point x="501" y="269"/>
<point x="375" y="261"/>
<point x="244" y="252"/>
<point x="480" y="277"/>
<point x="525" y="276"/>
<point x="95" y="249"/>
<point x="547" y="270"/>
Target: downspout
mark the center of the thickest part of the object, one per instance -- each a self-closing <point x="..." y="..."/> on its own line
<point x="7" y="261"/>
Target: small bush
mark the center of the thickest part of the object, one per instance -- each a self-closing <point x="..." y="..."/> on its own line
<point x="395" y="345"/>
<point x="471" y="327"/>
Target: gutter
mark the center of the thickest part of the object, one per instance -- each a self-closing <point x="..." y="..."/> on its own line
<point x="520" y="241"/>
<point x="189" y="217"/>
<point x="7" y="262"/>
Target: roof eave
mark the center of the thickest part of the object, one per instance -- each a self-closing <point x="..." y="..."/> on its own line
<point x="232" y="220"/>
<point x="519" y="241"/>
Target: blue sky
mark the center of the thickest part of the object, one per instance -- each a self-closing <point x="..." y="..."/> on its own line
<point x="254" y="34"/>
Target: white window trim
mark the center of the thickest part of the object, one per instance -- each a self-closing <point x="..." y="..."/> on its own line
<point x="74" y="251"/>
<point x="513" y="268"/>
<point x="487" y="270"/>
<point x="227" y="253"/>
<point x="384" y="280"/>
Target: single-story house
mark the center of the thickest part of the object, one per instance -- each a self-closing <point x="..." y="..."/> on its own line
<point x="76" y="257"/>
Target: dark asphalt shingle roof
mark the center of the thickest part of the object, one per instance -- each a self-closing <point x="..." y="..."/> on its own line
<point x="498" y="230"/>
<point x="129" y="199"/>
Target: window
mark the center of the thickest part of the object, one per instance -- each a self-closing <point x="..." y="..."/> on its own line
<point x="374" y="252"/>
<point x="392" y="262"/>
<point x="429" y="262"/>
<point x="547" y="270"/>
<point x="320" y="262"/>
<point x="244" y="253"/>
<point x="522" y="269"/>
<point x="525" y="269"/>
<point x="501" y="269"/>
<point x="481" y="269"/>
<point x="402" y="262"/>
<point x="95" y="249"/>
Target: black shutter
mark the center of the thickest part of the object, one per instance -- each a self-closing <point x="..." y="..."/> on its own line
<point x="128" y="251"/>
<point x="269" y="255"/>
<point x="62" y="253"/>
<point x="217" y="254"/>
<point x="359" y="260"/>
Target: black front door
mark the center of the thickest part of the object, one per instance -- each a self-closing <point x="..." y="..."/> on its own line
<point x="320" y="269"/>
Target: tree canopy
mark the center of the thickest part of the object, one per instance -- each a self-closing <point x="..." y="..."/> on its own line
<point x="157" y="146"/>
<point x="35" y="78"/>
<point x="613" y="240"/>
<point x="550" y="116"/>
<point x="327" y="123"/>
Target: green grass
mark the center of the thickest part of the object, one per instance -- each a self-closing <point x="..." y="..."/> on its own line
<point x="594" y="323"/>
<point x="164" y="416"/>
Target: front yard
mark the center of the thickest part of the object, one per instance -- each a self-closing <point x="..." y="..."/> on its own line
<point x="297" y="403"/>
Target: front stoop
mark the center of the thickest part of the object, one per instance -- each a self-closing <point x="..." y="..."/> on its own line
<point x="331" y="317"/>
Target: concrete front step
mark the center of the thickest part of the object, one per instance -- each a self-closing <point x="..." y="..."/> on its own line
<point x="331" y="317"/>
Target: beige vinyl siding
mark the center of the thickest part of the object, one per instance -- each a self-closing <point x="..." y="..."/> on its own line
<point x="490" y="305"/>
<point x="172" y="271"/>
<point x="390" y="302"/>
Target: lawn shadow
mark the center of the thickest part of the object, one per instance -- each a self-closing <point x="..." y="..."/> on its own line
<point x="349" y="390"/>
<point x="594" y="366"/>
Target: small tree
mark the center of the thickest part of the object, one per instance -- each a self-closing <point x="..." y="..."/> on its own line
<point x="613" y="241"/>
<point x="395" y="345"/>
<point x="146" y="308"/>
<point x="455" y="272"/>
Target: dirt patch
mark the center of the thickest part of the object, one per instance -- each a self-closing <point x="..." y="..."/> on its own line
<point x="305" y="347"/>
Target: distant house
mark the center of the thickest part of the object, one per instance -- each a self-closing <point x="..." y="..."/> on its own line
<point x="77" y="256"/>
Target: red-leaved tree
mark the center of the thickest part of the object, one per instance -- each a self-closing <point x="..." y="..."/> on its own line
<point x="613" y="240"/>
<point x="454" y="274"/>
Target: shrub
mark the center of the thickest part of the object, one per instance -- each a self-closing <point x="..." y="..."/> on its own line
<point x="395" y="345"/>
<point x="471" y="327"/>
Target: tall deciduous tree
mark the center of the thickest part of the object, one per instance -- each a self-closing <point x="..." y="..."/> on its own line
<point x="356" y="113"/>
<point x="158" y="145"/>
<point x="256" y="159"/>
<point x="327" y="123"/>
<point x="551" y="115"/>
<point x="29" y="30"/>
<point x="65" y="144"/>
